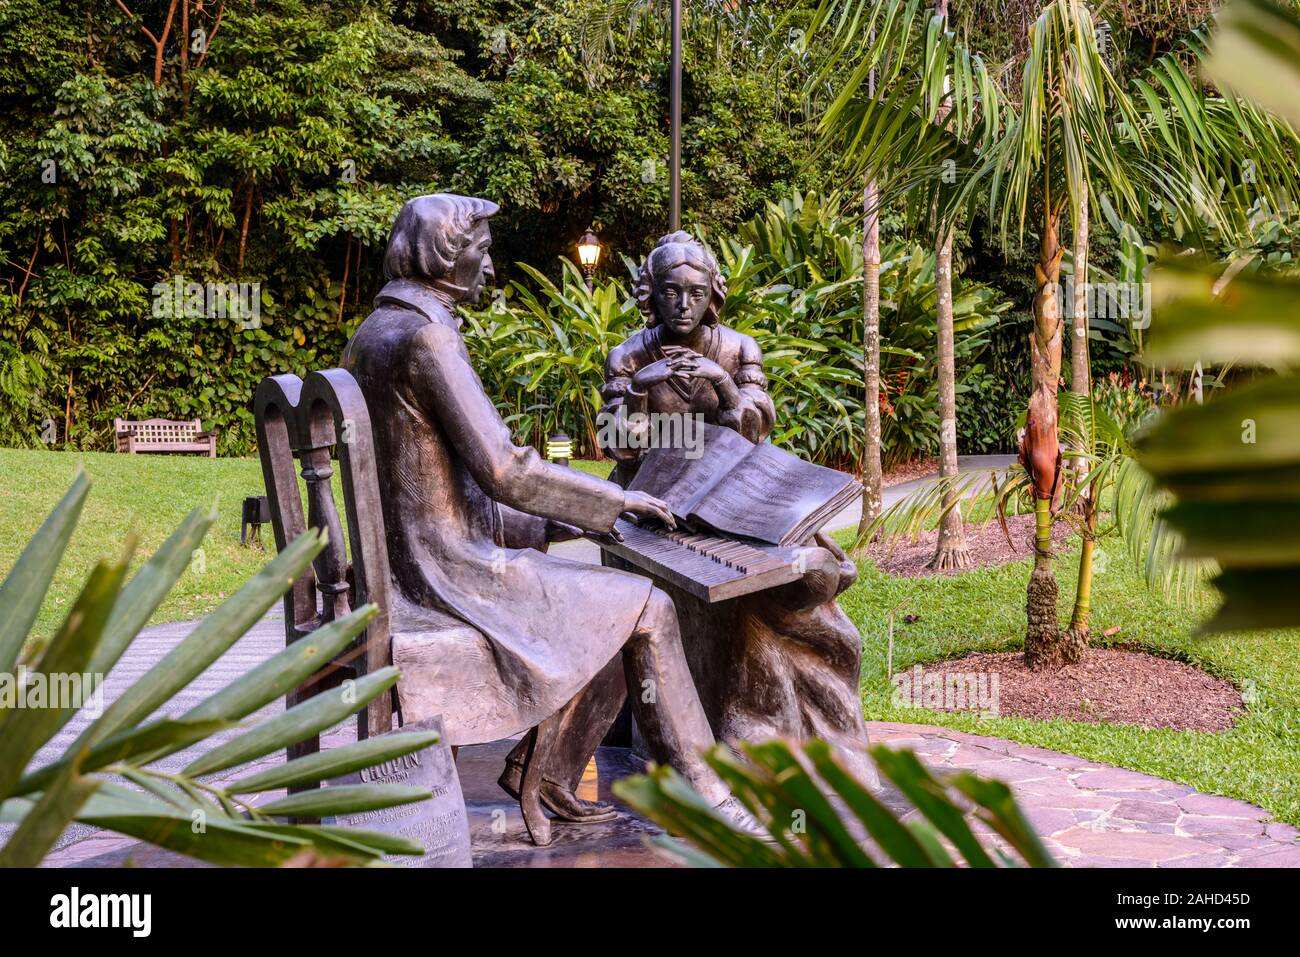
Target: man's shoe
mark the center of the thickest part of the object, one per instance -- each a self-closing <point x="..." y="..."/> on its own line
<point x="559" y="800"/>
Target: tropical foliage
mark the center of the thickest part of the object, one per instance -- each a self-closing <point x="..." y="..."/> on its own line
<point x="274" y="143"/>
<point x="108" y="776"/>
<point x="794" y="276"/>
<point x="791" y="791"/>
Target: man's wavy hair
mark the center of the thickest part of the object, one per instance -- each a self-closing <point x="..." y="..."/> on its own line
<point x="673" y="250"/>
<point x="430" y="232"/>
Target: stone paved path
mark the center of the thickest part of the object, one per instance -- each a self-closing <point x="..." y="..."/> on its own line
<point x="1096" y="815"/>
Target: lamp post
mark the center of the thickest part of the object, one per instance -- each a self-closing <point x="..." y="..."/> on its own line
<point x="675" y="120"/>
<point x="559" y="449"/>
<point x="589" y="255"/>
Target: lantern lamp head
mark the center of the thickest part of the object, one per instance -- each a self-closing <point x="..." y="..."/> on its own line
<point x="589" y="249"/>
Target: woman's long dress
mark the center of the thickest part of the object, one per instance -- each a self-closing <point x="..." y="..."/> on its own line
<point x="785" y="662"/>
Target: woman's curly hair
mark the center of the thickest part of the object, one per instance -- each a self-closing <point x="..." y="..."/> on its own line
<point x="673" y="250"/>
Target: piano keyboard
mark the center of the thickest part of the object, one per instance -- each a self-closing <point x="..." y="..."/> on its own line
<point x="707" y="566"/>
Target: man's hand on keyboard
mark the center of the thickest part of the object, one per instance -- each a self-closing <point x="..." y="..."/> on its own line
<point x="638" y="505"/>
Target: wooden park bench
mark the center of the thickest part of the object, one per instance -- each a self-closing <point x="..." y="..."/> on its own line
<point x="165" y="436"/>
<point x="313" y="420"/>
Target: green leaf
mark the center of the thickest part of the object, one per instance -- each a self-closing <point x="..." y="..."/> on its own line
<point x="335" y="762"/>
<point x="1256" y="52"/>
<point x="145" y="740"/>
<point x="345" y="799"/>
<point x="1204" y="316"/>
<point x="285" y="670"/>
<point x="148" y="587"/>
<point x="206" y="643"/>
<point x="1004" y="816"/>
<point x="1233" y="439"/>
<point x="47" y="819"/>
<point x="317" y="713"/>
<point x="905" y="770"/>
<point x="24" y="730"/>
<point x="346" y="841"/>
<point x="27" y="582"/>
<point x="894" y="839"/>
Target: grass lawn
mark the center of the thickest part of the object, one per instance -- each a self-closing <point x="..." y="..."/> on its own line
<point x="148" y="495"/>
<point x="1257" y="761"/>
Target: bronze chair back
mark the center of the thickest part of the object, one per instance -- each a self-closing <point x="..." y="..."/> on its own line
<point x="311" y="421"/>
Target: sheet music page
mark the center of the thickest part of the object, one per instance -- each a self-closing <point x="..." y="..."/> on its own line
<point x="768" y="495"/>
<point x="682" y="482"/>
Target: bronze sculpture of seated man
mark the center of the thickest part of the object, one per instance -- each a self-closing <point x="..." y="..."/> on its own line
<point x="465" y="509"/>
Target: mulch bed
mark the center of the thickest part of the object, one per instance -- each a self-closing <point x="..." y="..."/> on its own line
<point x="1110" y="684"/>
<point x="908" y="559"/>
<point x="909" y="470"/>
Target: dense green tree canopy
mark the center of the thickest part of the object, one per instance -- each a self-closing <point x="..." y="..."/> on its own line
<point x="148" y="142"/>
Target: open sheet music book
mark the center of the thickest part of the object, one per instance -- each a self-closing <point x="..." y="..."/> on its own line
<point x="751" y="491"/>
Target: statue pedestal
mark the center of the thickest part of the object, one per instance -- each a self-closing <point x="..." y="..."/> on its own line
<point x="497" y="831"/>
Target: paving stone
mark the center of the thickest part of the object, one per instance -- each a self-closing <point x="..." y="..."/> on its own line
<point x="1279" y="857"/>
<point x="1213" y="804"/>
<point x="1117" y="778"/>
<point x="1048" y="820"/>
<point x="1054" y="759"/>
<point x="1011" y="770"/>
<point x="1281" y="832"/>
<point x="1150" y="797"/>
<point x="1199" y="824"/>
<point x="1219" y="859"/>
<point x="1147" y="811"/>
<point x="1088" y="861"/>
<point x="1135" y="845"/>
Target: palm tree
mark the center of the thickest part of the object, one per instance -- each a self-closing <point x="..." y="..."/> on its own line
<point x="950" y="547"/>
<point x="910" y="52"/>
<point x="1074" y="136"/>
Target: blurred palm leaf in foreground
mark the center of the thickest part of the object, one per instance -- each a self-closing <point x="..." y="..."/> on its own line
<point x="787" y="790"/>
<point x="1233" y="464"/>
<point x="105" y="777"/>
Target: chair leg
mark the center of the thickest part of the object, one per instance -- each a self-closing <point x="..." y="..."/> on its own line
<point x="541" y="740"/>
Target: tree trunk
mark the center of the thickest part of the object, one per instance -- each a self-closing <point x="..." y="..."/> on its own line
<point x="1080" y="372"/>
<point x="872" y="477"/>
<point x="1040" y="450"/>
<point x="951" y="550"/>
<point x="1076" y="641"/>
<point x="243" y="229"/>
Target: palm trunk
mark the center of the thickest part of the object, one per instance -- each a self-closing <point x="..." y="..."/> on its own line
<point x="872" y="477"/>
<point x="950" y="550"/>
<point x="1081" y="384"/>
<point x="1076" y="640"/>
<point x="1080" y="373"/>
<point x="1040" y="450"/>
